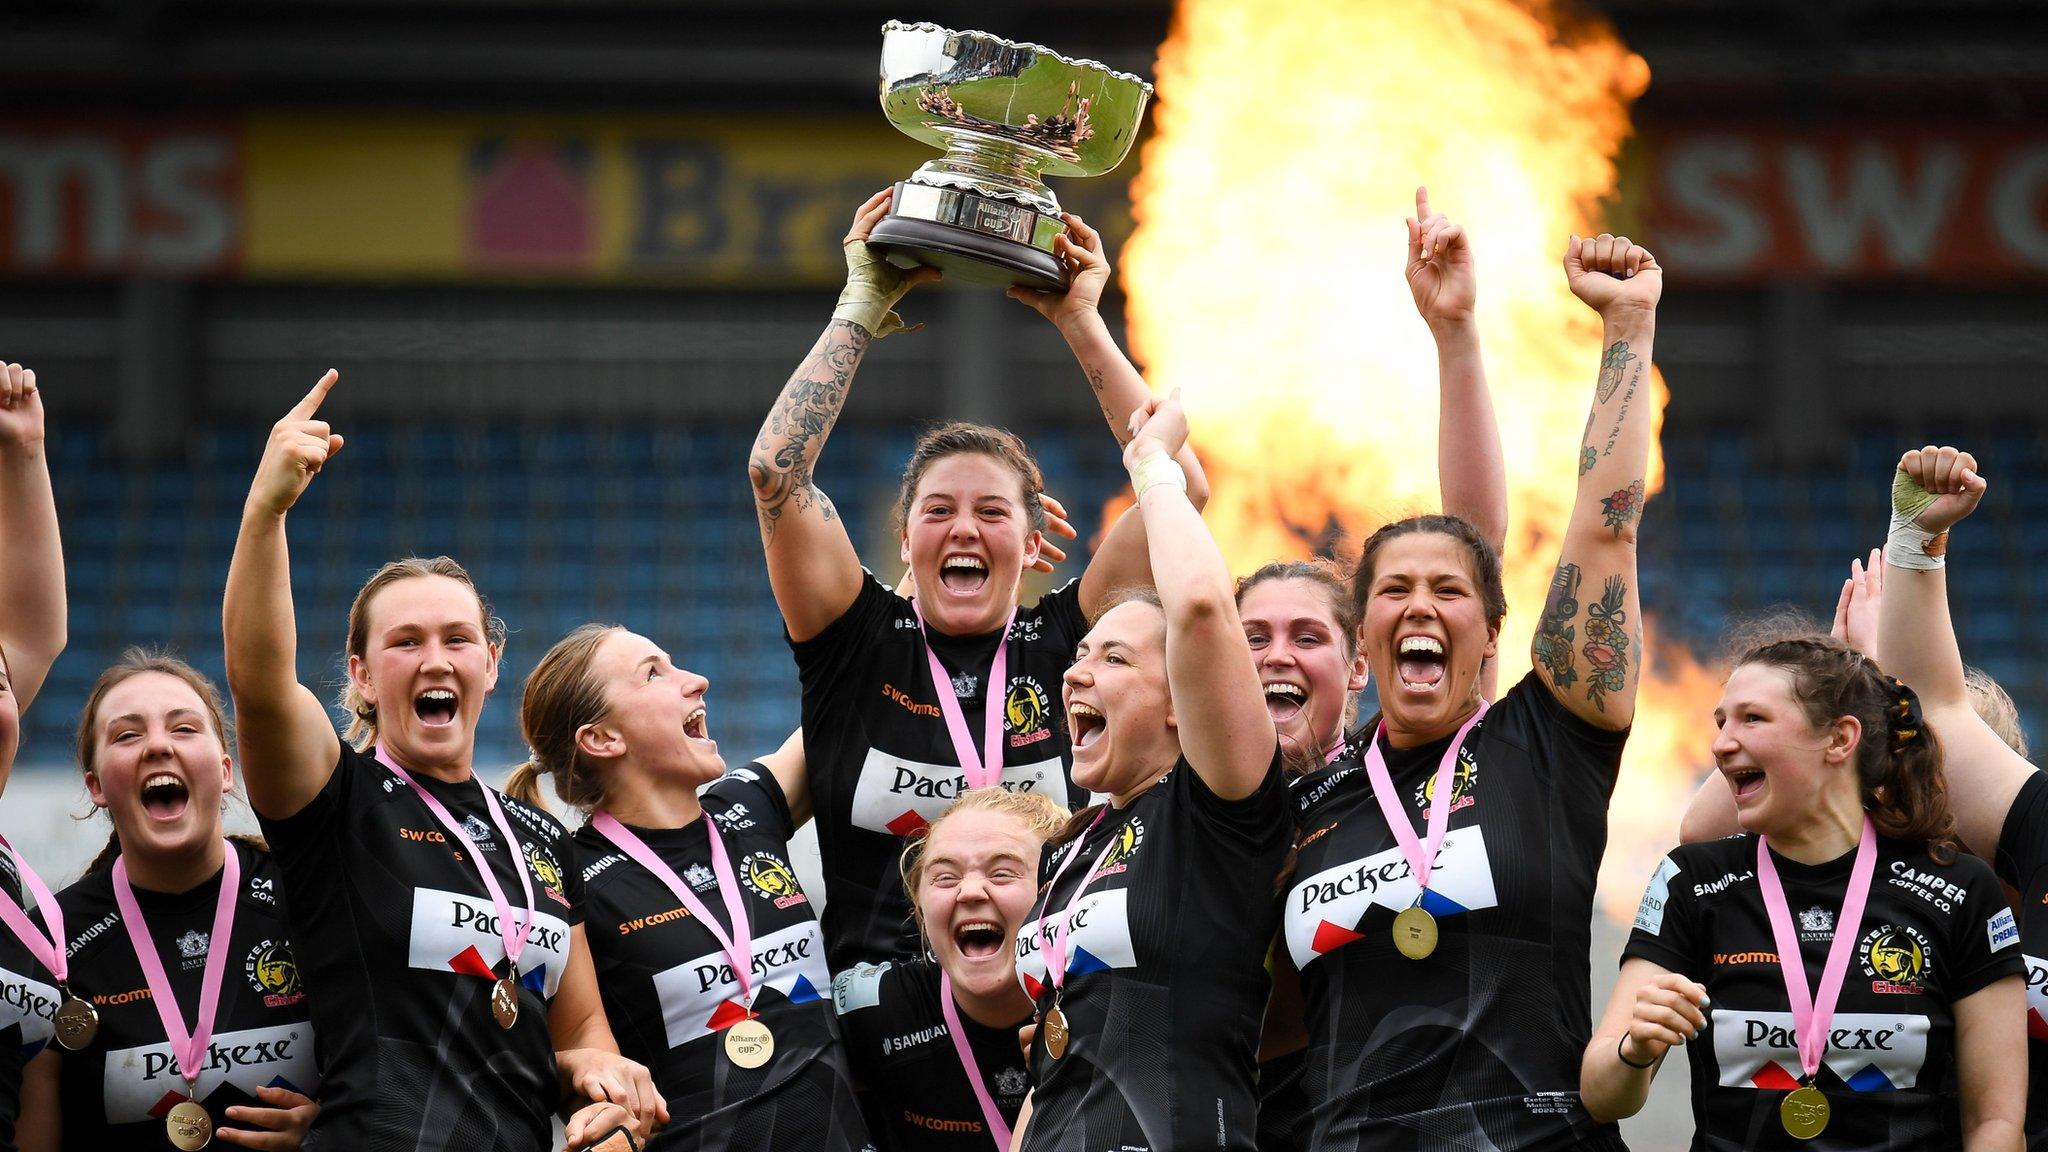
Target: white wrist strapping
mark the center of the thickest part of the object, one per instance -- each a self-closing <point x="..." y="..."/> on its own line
<point x="1906" y="544"/>
<point x="1153" y="471"/>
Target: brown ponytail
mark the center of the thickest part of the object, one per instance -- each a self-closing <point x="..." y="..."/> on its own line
<point x="562" y="695"/>
<point x="1898" y="758"/>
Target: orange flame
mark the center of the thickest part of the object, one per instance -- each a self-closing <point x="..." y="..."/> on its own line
<point x="1265" y="281"/>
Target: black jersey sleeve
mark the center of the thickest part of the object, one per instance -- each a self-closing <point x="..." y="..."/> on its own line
<point x="845" y="641"/>
<point x="322" y="811"/>
<point x="1254" y="823"/>
<point x="753" y="785"/>
<point x="1665" y="932"/>
<point x="1986" y="947"/>
<point x="1581" y="758"/>
<point x="1061" y="610"/>
<point x="2023" y="841"/>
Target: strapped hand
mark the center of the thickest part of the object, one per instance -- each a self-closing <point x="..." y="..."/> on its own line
<point x="873" y="285"/>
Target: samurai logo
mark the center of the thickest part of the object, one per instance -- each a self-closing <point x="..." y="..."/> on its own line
<point x="274" y="972"/>
<point x="771" y="879"/>
<point x="1896" y="958"/>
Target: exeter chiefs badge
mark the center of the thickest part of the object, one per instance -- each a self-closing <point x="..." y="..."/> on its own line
<point x="1025" y="708"/>
<point x="274" y="973"/>
<point x="771" y="879"/>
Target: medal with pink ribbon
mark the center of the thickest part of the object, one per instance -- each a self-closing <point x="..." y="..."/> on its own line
<point x="1055" y="937"/>
<point x="505" y="990"/>
<point x="748" y="1042"/>
<point x="1415" y="930"/>
<point x="188" y="1125"/>
<point x="985" y="770"/>
<point x="77" y="1021"/>
<point x="1804" y="1111"/>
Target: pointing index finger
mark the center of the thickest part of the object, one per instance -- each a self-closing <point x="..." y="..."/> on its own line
<point x="1422" y="201"/>
<point x="310" y="404"/>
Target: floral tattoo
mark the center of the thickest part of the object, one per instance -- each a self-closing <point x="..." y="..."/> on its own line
<point x="1607" y="642"/>
<point x="1622" y="508"/>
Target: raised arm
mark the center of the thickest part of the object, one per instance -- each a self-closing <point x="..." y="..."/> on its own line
<point x="786" y="764"/>
<point x="287" y="745"/>
<point x="1589" y="640"/>
<point x="1124" y="558"/>
<point x="1472" y="476"/>
<point x="32" y="614"/>
<point x="1933" y="490"/>
<point x="1444" y="279"/>
<point x="812" y="566"/>
<point x="1225" y="730"/>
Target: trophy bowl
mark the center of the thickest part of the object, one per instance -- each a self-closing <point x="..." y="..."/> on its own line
<point x="1006" y="115"/>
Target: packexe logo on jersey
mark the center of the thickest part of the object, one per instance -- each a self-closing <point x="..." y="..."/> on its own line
<point x="470" y="918"/>
<point x="901" y="796"/>
<point x="142" y="1082"/>
<point x="452" y="932"/>
<point x="789" y="952"/>
<point x="223" y="1057"/>
<point x="1868" y="1051"/>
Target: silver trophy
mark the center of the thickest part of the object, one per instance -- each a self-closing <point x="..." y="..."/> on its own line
<point x="1007" y="115"/>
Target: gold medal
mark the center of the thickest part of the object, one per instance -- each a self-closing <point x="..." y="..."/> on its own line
<point x="1415" y="933"/>
<point x="505" y="1002"/>
<point x="1056" y="1032"/>
<point x="1804" y="1112"/>
<point x="188" y="1126"/>
<point x="749" y="1043"/>
<point x="77" y="1023"/>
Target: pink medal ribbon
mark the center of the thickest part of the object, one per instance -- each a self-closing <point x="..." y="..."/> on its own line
<point x="1342" y="747"/>
<point x="1056" y="936"/>
<point x="514" y="938"/>
<point x="992" y="1115"/>
<point x="1812" y="1015"/>
<point x="48" y="952"/>
<point x="739" y="946"/>
<point x="985" y="770"/>
<point x="1420" y="854"/>
<point x="188" y="1047"/>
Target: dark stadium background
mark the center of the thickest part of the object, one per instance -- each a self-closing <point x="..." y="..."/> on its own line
<point x="564" y="255"/>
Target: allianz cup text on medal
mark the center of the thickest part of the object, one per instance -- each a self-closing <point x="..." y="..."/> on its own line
<point x="1007" y="114"/>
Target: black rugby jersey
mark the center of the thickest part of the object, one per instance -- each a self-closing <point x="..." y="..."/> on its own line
<point x="903" y="1058"/>
<point x="670" y="991"/>
<point x="1166" y="978"/>
<point x="1478" y="1044"/>
<point x="881" y="760"/>
<point x="2023" y="863"/>
<point x="28" y="1008"/>
<point x="398" y="944"/>
<point x="1931" y="934"/>
<point x="117" y="1091"/>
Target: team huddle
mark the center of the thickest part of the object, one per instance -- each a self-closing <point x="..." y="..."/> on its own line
<point x="1120" y="871"/>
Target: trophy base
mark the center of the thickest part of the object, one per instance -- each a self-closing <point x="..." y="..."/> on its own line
<point x="972" y="238"/>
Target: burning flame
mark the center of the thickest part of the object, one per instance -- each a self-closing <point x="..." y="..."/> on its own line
<point x="1266" y="281"/>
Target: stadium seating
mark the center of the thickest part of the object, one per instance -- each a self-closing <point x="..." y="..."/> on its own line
<point x="653" y="528"/>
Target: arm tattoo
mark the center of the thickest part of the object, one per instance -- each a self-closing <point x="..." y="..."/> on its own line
<point x="1587" y="456"/>
<point x="1607" y="642"/>
<point x="1612" y="362"/>
<point x="794" y="432"/>
<point x="1554" y="632"/>
<point x="1621" y="417"/>
<point x="1621" y="509"/>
